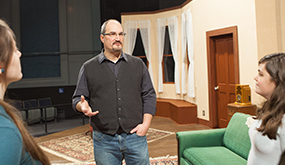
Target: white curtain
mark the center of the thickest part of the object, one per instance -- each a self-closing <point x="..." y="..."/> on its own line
<point x="187" y="40"/>
<point x="173" y="35"/>
<point x="184" y="58"/>
<point x="189" y="32"/>
<point x="145" y="30"/>
<point x="130" y="27"/>
<point x="160" y="42"/>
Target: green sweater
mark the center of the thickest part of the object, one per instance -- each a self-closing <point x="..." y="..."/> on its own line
<point x="11" y="143"/>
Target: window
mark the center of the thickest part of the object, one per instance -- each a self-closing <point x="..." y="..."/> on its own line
<point x="167" y="62"/>
<point x="139" y="49"/>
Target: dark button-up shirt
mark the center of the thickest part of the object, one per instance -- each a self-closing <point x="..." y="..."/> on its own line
<point x="82" y="88"/>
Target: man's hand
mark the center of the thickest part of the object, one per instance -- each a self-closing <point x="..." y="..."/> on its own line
<point x="142" y="129"/>
<point x="84" y="107"/>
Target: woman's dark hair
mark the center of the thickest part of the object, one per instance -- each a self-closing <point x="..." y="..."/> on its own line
<point x="7" y="47"/>
<point x="282" y="159"/>
<point x="272" y="111"/>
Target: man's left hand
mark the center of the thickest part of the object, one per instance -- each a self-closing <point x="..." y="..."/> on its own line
<point x="140" y="130"/>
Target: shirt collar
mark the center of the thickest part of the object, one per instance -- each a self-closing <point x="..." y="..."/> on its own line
<point x="102" y="57"/>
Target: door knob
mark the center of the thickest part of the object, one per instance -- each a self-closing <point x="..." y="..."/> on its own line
<point x="216" y="88"/>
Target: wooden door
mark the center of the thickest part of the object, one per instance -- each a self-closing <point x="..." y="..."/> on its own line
<point x="223" y="73"/>
<point x="225" y="79"/>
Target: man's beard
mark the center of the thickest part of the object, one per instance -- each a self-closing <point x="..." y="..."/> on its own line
<point x="116" y="49"/>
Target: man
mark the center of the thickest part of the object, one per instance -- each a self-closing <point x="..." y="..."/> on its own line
<point x="116" y="91"/>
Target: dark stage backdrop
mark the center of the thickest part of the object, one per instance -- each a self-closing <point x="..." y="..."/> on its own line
<point x="58" y="94"/>
<point x="40" y="38"/>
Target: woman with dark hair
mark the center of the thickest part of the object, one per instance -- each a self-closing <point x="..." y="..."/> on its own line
<point x="17" y="146"/>
<point x="267" y="133"/>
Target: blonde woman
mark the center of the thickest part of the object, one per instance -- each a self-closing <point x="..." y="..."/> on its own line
<point x="17" y="146"/>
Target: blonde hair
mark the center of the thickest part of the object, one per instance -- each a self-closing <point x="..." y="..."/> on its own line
<point x="7" y="46"/>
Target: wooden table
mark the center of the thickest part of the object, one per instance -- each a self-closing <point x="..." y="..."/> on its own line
<point x="247" y="109"/>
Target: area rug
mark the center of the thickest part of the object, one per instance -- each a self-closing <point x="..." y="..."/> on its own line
<point x="78" y="148"/>
<point x="166" y="160"/>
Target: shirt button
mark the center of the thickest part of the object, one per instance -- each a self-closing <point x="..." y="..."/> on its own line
<point x="118" y="89"/>
<point x="119" y="99"/>
<point x="119" y="118"/>
<point x="120" y="109"/>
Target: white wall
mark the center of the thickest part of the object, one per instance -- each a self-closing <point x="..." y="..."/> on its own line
<point x="211" y="15"/>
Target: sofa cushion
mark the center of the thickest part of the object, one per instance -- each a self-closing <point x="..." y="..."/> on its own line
<point x="236" y="137"/>
<point x="212" y="155"/>
<point x="184" y="162"/>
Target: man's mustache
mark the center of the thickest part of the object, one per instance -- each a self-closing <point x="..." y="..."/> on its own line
<point x="117" y="42"/>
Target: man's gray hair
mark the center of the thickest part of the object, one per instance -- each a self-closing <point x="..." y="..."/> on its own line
<point x="103" y="27"/>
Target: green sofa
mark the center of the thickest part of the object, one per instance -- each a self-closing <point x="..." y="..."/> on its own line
<point x="223" y="146"/>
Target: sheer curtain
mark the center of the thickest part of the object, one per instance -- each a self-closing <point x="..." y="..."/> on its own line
<point x="189" y="32"/>
<point x="187" y="40"/>
<point x="173" y="35"/>
<point x="160" y="42"/>
<point x="145" y="30"/>
<point x="183" y="46"/>
<point x="130" y="27"/>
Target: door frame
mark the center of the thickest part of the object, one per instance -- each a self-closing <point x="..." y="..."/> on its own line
<point x="210" y="36"/>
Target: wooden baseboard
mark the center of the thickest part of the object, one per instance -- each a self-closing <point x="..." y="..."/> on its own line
<point x="204" y="122"/>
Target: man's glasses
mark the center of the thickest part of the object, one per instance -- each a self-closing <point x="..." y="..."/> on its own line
<point x="113" y="34"/>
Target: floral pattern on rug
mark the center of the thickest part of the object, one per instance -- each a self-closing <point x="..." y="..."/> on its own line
<point x="79" y="147"/>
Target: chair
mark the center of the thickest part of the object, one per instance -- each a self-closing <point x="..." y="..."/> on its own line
<point x="34" y="113"/>
<point x="46" y="105"/>
<point x="19" y="106"/>
<point x="229" y="145"/>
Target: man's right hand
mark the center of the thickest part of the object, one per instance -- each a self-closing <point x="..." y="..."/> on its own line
<point x="84" y="107"/>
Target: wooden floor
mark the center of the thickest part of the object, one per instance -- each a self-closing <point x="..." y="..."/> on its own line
<point x="161" y="147"/>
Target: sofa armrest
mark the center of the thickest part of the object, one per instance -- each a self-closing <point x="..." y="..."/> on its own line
<point x="200" y="138"/>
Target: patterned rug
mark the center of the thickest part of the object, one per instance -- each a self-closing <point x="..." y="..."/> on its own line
<point x="166" y="160"/>
<point x="78" y="148"/>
